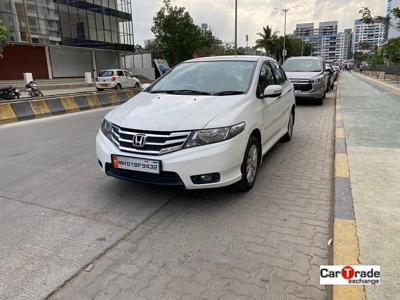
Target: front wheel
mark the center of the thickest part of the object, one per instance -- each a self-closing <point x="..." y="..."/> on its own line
<point x="250" y="164"/>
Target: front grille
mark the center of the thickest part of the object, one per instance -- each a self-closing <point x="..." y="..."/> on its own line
<point x="302" y="84"/>
<point x="157" y="142"/>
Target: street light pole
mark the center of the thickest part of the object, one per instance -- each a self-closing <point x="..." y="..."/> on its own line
<point x="236" y="8"/>
<point x="285" y="10"/>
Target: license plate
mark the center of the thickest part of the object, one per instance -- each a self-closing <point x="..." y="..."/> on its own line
<point x="297" y="92"/>
<point x="136" y="164"/>
<point x="104" y="85"/>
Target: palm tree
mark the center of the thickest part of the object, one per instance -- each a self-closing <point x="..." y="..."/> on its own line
<point x="267" y="40"/>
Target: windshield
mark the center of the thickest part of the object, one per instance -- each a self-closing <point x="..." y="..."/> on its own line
<point x="208" y="78"/>
<point x="302" y="65"/>
<point x="106" y="73"/>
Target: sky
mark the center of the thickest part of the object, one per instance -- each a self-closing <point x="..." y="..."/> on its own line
<point x="254" y="14"/>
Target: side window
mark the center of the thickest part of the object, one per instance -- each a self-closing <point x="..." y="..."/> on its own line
<point x="127" y="74"/>
<point x="283" y="73"/>
<point x="265" y="79"/>
<point x="120" y="73"/>
<point x="279" y="77"/>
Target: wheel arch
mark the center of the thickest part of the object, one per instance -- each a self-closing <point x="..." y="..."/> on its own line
<point x="257" y="134"/>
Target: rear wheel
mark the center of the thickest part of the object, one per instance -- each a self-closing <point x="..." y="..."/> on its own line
<point x="250" y="164"/>
<point x="118" y="86"/>
<point x="288" y="136"/>
<point x="137" y="85"/>
<point x="99" y="90"/>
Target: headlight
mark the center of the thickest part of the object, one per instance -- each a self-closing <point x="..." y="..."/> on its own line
<point x="215" y="135"/>
<point x="316" y="80"/>
<point x="106" y="128"/>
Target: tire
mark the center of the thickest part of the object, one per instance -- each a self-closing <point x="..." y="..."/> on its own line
<point x="289" y="134"/>
<point x="99" y="90"/>
<point x="319" y="101"/>
<point x="118" y="86"/>
<point x="250" y="165"/>
<point x="137" y="85"/>
<point x="40" y="94"/>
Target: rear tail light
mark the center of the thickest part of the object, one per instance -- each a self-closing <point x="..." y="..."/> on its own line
<point x="113" y="78"/>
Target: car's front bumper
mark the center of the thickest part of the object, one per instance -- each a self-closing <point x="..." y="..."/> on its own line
<point x="224" y="158"/>
<point x="316" y="92"/>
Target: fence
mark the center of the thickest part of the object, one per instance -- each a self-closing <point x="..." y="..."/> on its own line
<point x="391" y="72"/>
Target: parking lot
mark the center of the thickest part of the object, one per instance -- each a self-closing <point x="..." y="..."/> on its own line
<point x="60" y="214"/>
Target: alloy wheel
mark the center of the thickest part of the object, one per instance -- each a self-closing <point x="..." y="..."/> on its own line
<point x="252" y="163"/>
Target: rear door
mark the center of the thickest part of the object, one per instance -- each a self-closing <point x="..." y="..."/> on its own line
<point x="121" y="78"/>
<point x="129" y="79"/>
<point x="284" y="102"/>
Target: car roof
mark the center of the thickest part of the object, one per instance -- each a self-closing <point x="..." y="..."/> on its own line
<point x="231" y="58"/>
<point x="113" y="70"/>
<point x="305" y="57"/>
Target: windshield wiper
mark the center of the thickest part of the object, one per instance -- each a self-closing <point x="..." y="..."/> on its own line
<point x="228" y="93"/>
<point x="180" y="92"/>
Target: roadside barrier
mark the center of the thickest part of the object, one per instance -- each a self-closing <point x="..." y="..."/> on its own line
<point x="345" y="241"/>
<point x="20" y="110"/>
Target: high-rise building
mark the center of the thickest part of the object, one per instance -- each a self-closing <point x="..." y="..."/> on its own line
<point x="66" y="37"/>
<point x="392" y="32"/>
<point x="368" y="36"/>
<point x="344" y="45"/>
<point x="323" y="39"/>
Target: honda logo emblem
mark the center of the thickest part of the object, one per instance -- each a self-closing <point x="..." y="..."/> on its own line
<point x="139" y="140"/>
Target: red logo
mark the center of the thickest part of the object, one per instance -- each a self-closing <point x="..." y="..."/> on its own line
<point x="347" y="272"/>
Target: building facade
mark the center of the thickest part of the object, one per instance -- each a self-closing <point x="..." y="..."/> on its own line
<point x="344" y="45"/>
<point x="323" y="39"/>
<point x="368" y="36"/>
<point x="392" y="32"/>
<point x="72" y="36"/>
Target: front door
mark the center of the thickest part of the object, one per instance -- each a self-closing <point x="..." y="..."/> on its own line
<point x="270" y="111"/>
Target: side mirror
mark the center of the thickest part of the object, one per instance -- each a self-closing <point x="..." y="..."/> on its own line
<point x="272" y="91"/>
<point x="145" y="85"/>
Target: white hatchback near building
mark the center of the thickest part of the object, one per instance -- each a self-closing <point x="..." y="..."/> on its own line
<point x="116" y="79"/>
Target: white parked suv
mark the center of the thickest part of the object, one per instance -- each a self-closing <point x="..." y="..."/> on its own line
<point x="207" y="123"/>
<point x="116" y="79"/>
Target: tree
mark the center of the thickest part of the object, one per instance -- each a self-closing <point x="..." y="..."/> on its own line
<point x="176" y="34"/>
<point x="391" y="50"/>
<point x="364" y="46"/>
<point x="3" y="36"/>
<point x="267" y="40"/>
<point x="366" y="17"/>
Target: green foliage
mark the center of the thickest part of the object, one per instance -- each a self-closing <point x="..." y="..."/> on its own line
<point x="3" y="36"/>
<point x="366" y="17"/>
<point x="176" y="34"/>
<point x="273" y="44"/>
<point x="376" y="58"/>
<point x="268" y="40"/>
<point x="391" y="50"/>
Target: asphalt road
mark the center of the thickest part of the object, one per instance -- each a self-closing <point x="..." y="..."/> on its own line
<point x="59" y="213"/>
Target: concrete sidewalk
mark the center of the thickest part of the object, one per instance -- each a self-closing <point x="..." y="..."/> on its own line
<point x="371" y="113"/>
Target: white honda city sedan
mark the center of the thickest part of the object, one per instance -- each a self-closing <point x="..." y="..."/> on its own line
<point x="206" y="123"/>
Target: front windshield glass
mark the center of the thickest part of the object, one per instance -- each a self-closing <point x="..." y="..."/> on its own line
<point x="207" y="77"/>
<point x="302" y="65"/>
